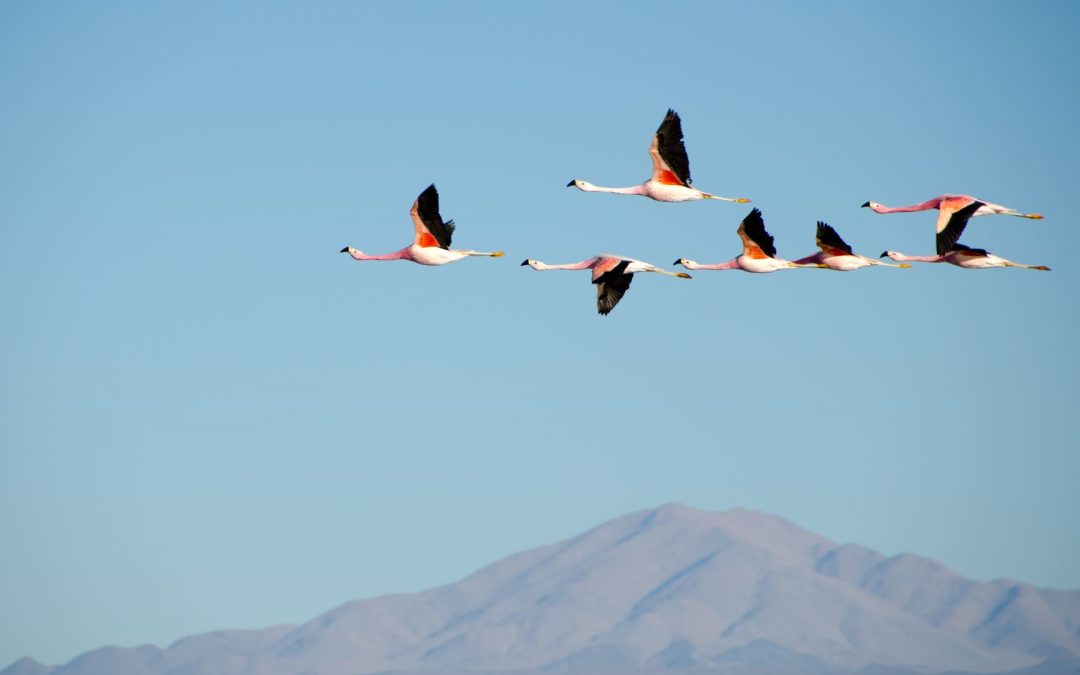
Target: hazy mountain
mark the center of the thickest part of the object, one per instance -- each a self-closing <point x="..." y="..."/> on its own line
<point x="668" y="590"/>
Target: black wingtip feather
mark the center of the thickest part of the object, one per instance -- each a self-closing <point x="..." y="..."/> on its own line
<point x="754" y="227"/>
<point x="828" y="236"/>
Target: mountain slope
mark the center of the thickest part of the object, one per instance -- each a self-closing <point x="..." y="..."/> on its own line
<point x="664" y="589"/>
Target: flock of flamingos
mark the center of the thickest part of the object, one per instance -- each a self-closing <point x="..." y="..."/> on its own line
<point x="670" y="182"/>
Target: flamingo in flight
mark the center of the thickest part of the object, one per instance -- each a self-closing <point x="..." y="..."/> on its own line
<point x="948" y="206"/>
<point x="670" y="180"/>
<point x="431" y="245"/>
<point x="966" y="257"/>
<point x="612" y="275"/>
<point x="835" y="254"/>
<point x="759" y="253"/>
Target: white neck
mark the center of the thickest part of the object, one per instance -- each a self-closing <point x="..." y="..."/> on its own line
<point x="632" y="190"/>
<point x="900" y="257"/>
<point x="584" y="264"/>
<point x="729" y="265"/>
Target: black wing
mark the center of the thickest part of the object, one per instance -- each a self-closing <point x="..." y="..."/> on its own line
<point x="946" y="239"/>
<point x="669" y="144"/>
<point x="611" y="286"/>
<point x="428" y="210"/>
<point x="975" y="251"/>
<point x="828" y="238"/>
<point x="753" y="228"/>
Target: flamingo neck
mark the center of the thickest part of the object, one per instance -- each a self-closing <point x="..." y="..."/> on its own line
<point x="583" y="265"/>
<point x="632" y="190"/>
<point x="808" y="260"/>
<point x="923" y="206"/>
<point x="729" y="265"/>
<point x="403" y="254"/>
<point x="900" y="257"/>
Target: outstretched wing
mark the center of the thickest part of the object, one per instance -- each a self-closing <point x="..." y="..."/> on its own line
<point x="830" y="242"/>
<point x="611" y="283"/>
<point x="951" y="224"/>
<point x="430" y="228"/>
<point x="757" y="243"/>
<point x="671" y="166"/>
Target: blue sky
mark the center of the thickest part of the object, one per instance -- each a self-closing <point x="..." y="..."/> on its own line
<point x="209" y="418"/>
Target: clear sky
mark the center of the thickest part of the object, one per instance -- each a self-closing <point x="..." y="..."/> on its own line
<point x="210" y="418"/>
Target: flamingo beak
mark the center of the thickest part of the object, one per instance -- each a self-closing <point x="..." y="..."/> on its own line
<point x="571" y="183"/>
<point x="345" y="250"/>
<point x="884" y="254"/>
<point x="866" y="205"/>
<point x="524" y="263"/>
<point x="677" y="262"/>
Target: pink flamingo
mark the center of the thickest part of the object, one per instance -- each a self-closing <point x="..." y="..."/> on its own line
<point x="670" y="180"/>
<point x="431" y="245"/>
<point x="759" y="253"/>
<point x="948" y="206"/>
<point x="835" y="254"/>
<point x="966" y="257"/>
<point x="611" y="274"/>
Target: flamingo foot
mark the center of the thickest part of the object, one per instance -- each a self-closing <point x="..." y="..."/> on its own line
<point x="497" y="254"/>
<point x="683" y="275"/>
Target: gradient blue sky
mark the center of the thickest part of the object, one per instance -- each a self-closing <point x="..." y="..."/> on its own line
<point x="209" y="418"/>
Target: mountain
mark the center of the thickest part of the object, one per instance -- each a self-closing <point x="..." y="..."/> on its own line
<point x="669" y="590"/>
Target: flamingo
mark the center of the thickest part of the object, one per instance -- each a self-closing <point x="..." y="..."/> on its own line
<point x="948" y="232"/>
<point x="670" y="180"/>
<point x="835" y="254"/>
<point x="759" y="254"/>
<point x="612" y="275"/>
<point x="966" y="257"/>
<point x="431" y="245"/>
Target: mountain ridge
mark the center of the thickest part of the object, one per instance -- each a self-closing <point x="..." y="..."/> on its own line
<point x="672" y="589"/>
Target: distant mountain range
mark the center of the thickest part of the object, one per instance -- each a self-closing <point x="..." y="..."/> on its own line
<point x="665" y="591"/>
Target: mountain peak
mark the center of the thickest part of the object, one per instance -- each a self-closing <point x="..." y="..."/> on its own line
<point x="28" y="666"/>
<point x="671" y="587"/>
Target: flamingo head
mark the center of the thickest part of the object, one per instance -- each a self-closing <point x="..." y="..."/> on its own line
<point x="531" y="263"/>
<point x="579" y="184"/>
<point x="873" y="206"/>
<point x="685" y="262"/>
<point x="889" y="254"/>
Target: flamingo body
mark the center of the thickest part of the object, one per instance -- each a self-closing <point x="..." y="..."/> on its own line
<point x="965" y="257"/>
<point x="431" y="241"/>
<point x="950" y="225"/>
<point x="836" y="254"/>
<point x="759" y="253"/>
<point x="670" y="181"/>
<point x="612" y="275"/>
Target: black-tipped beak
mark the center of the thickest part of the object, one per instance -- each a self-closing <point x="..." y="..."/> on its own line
<point x="571" y="183"/>
<point x="884" y="254"/>
<point x="524" y="263"/>
<point x="866" y="205"/>
<point x="677" y="262"/>
<point x="345" y="250"/>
